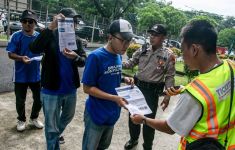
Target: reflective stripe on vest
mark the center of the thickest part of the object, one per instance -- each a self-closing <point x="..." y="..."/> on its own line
<point x="212" y="120"/>
<point x="225" y="128"/>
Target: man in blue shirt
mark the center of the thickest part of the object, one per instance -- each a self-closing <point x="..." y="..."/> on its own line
<point x="26" y="72"/>
<point x="101" y="76"/>
<point x="60" y="78"/>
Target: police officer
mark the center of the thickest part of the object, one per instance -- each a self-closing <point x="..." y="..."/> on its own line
<point x="156" y="69"/>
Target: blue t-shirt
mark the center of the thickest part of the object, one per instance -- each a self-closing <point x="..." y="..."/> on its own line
<point x="67" y="85"/>
<point x="19" y="44"/>
<point x="103" y="70"/>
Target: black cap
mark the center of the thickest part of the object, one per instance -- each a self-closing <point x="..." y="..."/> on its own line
<point x="158" y="28"/>
<point x="29" y="14"/>
<point x="123" y="27"/>
<point x="70" y="12"/>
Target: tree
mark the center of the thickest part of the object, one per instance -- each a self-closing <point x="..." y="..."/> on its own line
<point x="175" y="20"/>
<point x="207" y="18"/>
<point x="226" y="37"/>
<point x="228" y="22"/>
<point x="149" y="15"/>
<point x="113" y="9"/>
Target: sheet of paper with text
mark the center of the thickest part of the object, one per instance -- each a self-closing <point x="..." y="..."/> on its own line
<point x="66" y="34"/>
<point x="136" y="101"/>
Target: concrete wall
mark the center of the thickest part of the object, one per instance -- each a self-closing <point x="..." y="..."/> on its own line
<point x="6" y="66"/>
<point x="6" y="71"/>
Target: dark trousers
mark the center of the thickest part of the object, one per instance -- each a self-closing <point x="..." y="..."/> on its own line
<point x="20" y="93"/>
<point x="151" y="97"/>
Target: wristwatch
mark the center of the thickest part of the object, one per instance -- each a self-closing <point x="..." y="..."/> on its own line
<point x="144" y="121"/>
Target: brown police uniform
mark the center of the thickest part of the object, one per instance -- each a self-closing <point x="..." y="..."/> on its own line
<point x="155" y="69"/>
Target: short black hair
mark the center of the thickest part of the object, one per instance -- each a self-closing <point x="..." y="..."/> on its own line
<point x="200" y="32"/>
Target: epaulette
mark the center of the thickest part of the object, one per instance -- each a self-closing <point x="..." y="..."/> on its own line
<point x="169" y="50"/>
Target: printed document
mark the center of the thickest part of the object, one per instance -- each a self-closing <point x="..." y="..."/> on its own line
<point x="136" y="101"/>
<point x="66" y="34"/>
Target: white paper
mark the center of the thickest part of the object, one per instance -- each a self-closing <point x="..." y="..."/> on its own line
<point x="66" y="34"/>
<point x="37" y="58"/>
<point x="136" y="101"/>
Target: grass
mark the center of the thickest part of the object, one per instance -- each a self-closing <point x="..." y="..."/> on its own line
<point x="3" y="37"/>
<point x="179" y="80"/>
<point x="179" y="66"/>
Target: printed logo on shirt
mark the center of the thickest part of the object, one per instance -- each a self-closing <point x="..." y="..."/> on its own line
<point x="113" y="70"/>
<point x="224" y="90"/>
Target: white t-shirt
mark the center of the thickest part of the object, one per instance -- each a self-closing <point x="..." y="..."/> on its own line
<point x="185" y="115"/>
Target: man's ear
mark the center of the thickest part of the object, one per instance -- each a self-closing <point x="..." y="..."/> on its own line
<point x="195" y="49"/>
<point x="110" y="37"/>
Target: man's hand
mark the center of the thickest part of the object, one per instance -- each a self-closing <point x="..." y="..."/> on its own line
<point x="137" y="119"/>
<point x="53" y="25"/>
<point x="129" y="81"/>
<point x="165" y="102"/>
<point x="172" y="91"/>
<point x="69" y="54"/>
<point x="120" y="101"/>
<point x="26" y="59"/>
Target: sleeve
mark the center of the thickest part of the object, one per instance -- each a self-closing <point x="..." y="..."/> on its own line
<point x="170" y="72"/>
<point x="185" y="115"/>
<point x="12" y="44"/>
<point x="41" y="42"/>
<point x="80" y="62"/>
<point x="134" y="60"/>
<point x="90" y="74"/>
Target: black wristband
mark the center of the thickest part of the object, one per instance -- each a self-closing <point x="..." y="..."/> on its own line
<point x="122" y="80"/>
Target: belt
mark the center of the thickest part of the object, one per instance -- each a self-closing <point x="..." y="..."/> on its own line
<point x="148" y="85"/>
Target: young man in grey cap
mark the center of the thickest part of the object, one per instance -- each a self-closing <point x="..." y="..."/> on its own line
<point x="60" y="79"/>
<point x="156" y="69"/>
<point x="27" y="73"/>
<point x="101" y="76"/>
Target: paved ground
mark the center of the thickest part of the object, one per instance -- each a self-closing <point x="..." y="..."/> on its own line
<point x="33" y="139"/>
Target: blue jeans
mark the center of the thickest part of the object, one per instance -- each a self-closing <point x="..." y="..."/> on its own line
<point x="58" y="111"/>
<point x="96" y="137"/>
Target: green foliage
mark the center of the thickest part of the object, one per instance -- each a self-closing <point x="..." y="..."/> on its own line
<point x="175" y="20"/>
<point x="181" y="80"/>
<point x="226" y="37"/>
<point x="161" y="12"/>
<point x="149" y="16"/>
<point x="179" y="66"/>
<point x="176" y="51"/>
<point x="207" y="18"/>
<point x="3" y="37"/>
<point x="131" y="49"/>
<point x="193" y="13"/>
<point x="228" y="22"/>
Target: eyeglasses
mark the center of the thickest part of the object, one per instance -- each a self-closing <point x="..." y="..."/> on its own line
<point x="122" y="40"/>
<point x="29" y="21"/>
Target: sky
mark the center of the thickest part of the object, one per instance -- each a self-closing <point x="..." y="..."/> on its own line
<point x="220" y="7"/>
